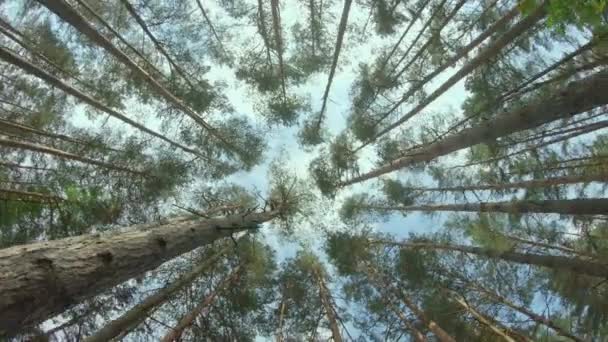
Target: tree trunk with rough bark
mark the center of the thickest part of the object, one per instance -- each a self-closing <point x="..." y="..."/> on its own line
<point x="583" y="206"/>
<point x="176" y="332"/>
<point x="557" y="262"/>
<point x="140" y="312"/>
<point x="329" y="308"/>
<point x="43" y="279"/>
<point x="576" y="98"/>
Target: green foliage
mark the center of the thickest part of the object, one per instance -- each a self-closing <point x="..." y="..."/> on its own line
<point x="284" y="110"/>
<point x="398" y="193"/>
<point x="582" y="13"/>
<point x="325" y="175"/>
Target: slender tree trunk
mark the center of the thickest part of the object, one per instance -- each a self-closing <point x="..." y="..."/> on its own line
<point x="484" y="56"/>
<point x="140" y="312"/>
<point x="433" y="36"/>
<point x="278" y="37"/>
<point x="488" y="322"/>
<point x="143" y="58"/>
<point x="334" y="63"/>
<point x="263" y="31"/>
<point x="31" y="69"/>
<point x="527" y="184"/>
<point x="24" y="167"/>
<point x="403" y="35"/>
<point x="418" y="336"/>
<point x="502" y="22"/>
<point x="40" y="280"/>
<point x="281" y="317"/>
<point x="558" y="262"/>
<point x="68" y="14"/>
<point x="157" y="44"/>
<point x="186" y="321"/>
<point x="578" y="97"/>
<point x="8" y="194"/>
<point x="208" y="21"/>
<point x="526" y="312"/>
<point x="63" y="155"/>
<point x="329" y="309"/>
<point x="426" y="25"/>
<point x="441" y="334"/>
<point x="580" y="131"/>
<point x="582" y="206"/>
<point x="549" y="246"/>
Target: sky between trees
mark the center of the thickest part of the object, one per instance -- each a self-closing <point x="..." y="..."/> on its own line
<point x="365" y="170"/>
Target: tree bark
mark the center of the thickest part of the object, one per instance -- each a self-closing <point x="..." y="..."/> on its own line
<point x="186" y="321"/>
<point x="418" y="336"/>
<point x="578" y="97"/>
<point x="523" y="310"/>
<point x="279" y="336"/>
<point x="157" y="44"/>
<point x="329" y="309"/>
<point x="278" y="37"/>
<point x="31" y="69"/>
<point x="557" y="262"/>
<point x="68" y="14"/>
<point x="40" y="280"/>
<point x="139" y="312"/>
<point x="582" y="206"/>
<point x="441" y="334"/>
<point x="334" y="62"/>
<point x="504" y="333"/>
<point x="63" y="155"/>
<point x="527" y="184"/>
<point x="484" y="55"/>
<point x="122" y="39"/>
<point x="30" y="196"/>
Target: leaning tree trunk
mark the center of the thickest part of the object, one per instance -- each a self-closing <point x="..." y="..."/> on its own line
<point x="441" y="334"/>
<point x="488" y="322"/>
<point x="418" y="336"/>
<point x="176" y="332"/>
<point x="28" y="196"/>
<point x="583" y="206"/>
<point x="576" y="98"/>
<point x="32" y="69"/>
<point x="157" y="44"/>
<point x="64" y="11"/>
<point x="484" y="56"/>
<point x="43" y="279"/>
<point x="206" y="17"/>
<point x="279" y="337"/>
<point x="63" y="155"/>
<point x="502" y="22"/>
<point x="527" y="184"/>
<point x="526" y="312"/>
<point x="140" y="312"/>
<point x="329" y="308"/>
<point x="557" y="262"/>
<point x="334" y="62"/>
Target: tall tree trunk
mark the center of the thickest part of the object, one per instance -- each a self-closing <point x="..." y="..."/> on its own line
<point x="278" y="37"/>
<point x="208" y="21"/>
<point x="28" y="196"/>
<point x="557" y="262"/>
<point x="187" y="320"/>
<point x="31" y="69"/>
<point x="426" y="25"/>
<point x="526" y="312"/>
<point x="326" y="300"/>
<point x="63" y="155"/>
<point x="334" y="62"/>
<point x="140" y="312"/>
<point x="441" y="334"/>
<point x="413" y="20"/>
<point x="40" y="280"/>
<point x="279" y="336"/>
<point x="263" y="31"/>
<point x="578" y="97"/>
<point x="434" y="35"/>
<point x="68" y="14"/>
<point x="499" y="24"/>
<point x="527" y="184"/>
<point x="582" y="206"/>
<point x="418" y="336"/>
<point x="482" y="57"/>
<point x="105" y="24"/>
<point x="488" y="322"/>
<point x="157" y="44"/>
